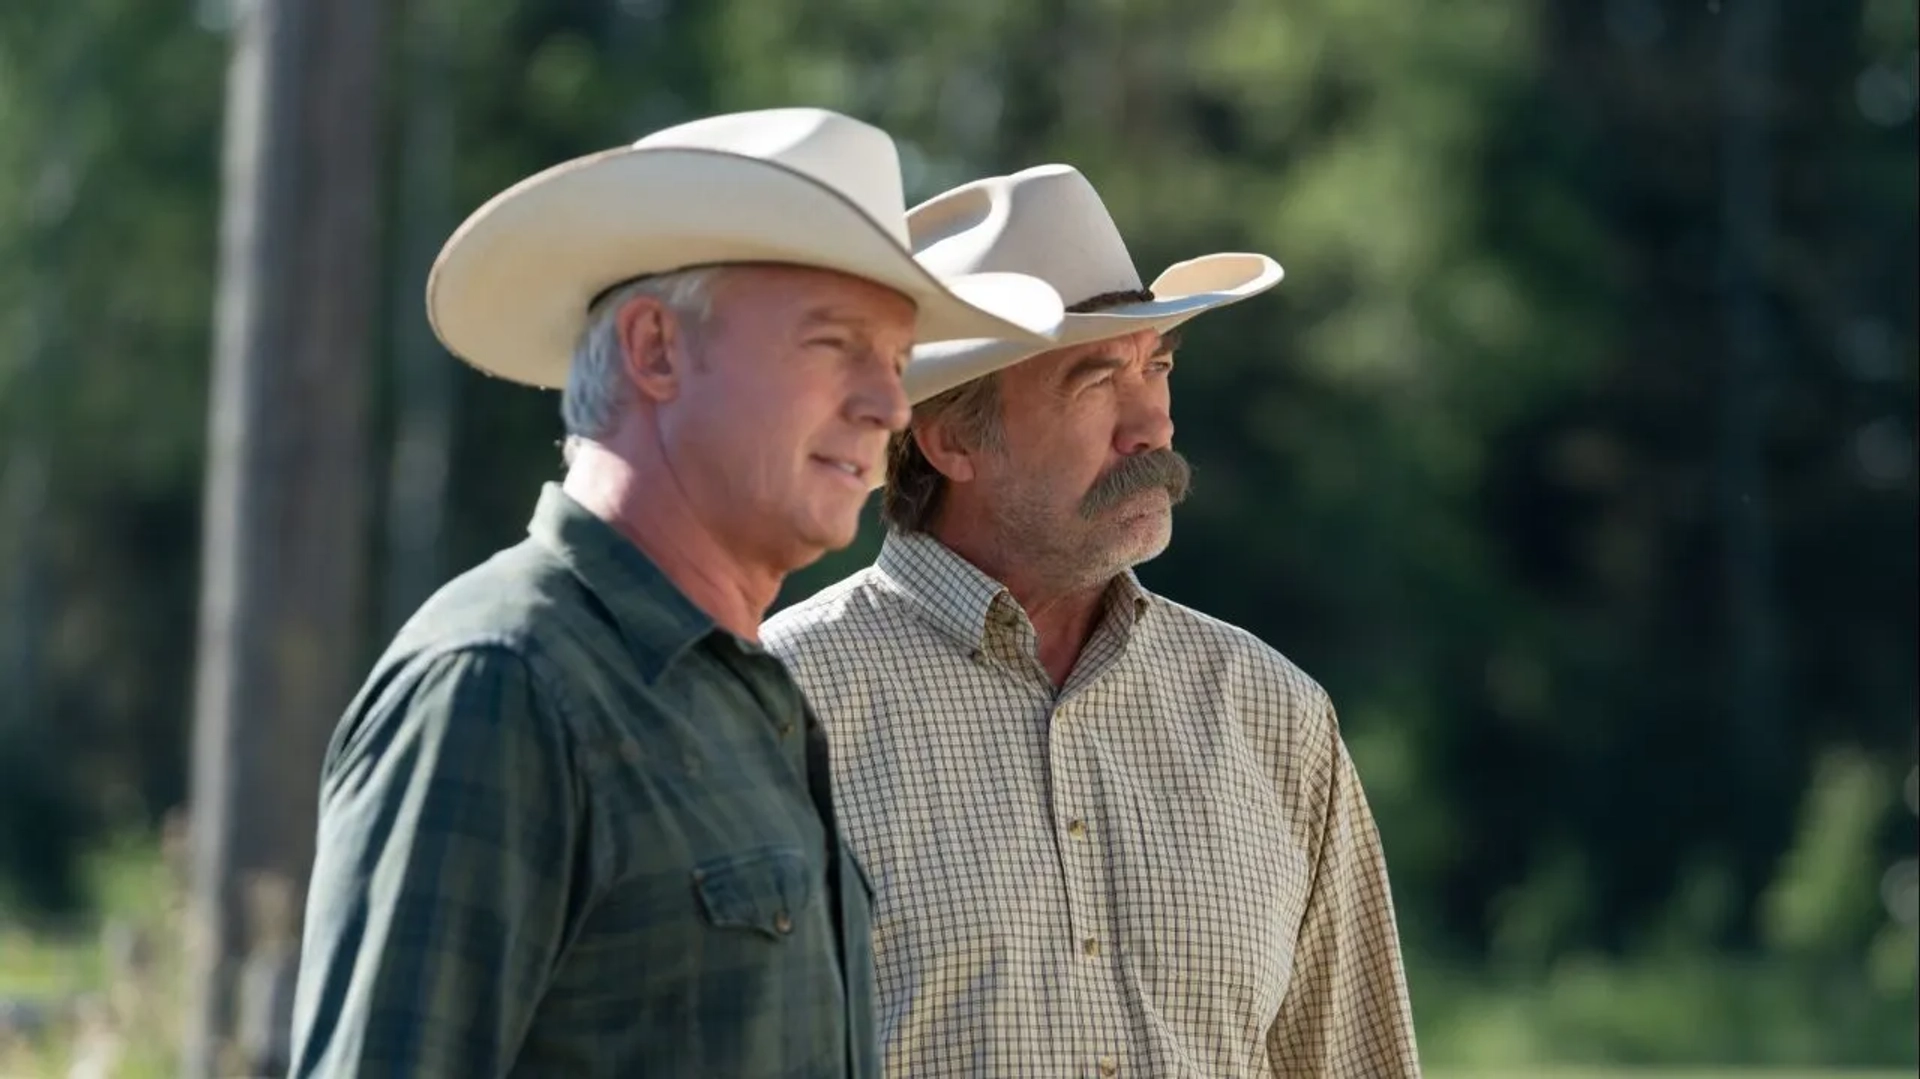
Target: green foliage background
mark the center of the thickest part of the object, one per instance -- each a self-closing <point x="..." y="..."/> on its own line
<point x="1467" y="465"/>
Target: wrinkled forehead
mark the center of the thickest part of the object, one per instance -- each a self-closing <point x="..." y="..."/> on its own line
<point x="1049" y="368"/>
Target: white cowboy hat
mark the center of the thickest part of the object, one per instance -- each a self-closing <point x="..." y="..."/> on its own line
<point x="1048" y="221"/>
<point x="510" y="291"/>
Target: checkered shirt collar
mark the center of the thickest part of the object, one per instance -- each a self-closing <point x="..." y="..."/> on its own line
<point x="961" y="601"/>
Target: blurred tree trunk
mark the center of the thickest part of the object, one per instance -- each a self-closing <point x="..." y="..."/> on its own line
<point x="284" y="548"/>
<point x="424" y="386"/>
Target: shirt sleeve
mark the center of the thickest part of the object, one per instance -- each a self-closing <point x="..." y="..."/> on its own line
<point x="1346" y="1013"/>
<point x="449" y="816"/>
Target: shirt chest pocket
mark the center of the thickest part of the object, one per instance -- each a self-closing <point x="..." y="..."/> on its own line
<point x="765" y="891"/>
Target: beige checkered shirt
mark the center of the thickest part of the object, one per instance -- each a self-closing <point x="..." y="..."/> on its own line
<point x="1166" y="868"/>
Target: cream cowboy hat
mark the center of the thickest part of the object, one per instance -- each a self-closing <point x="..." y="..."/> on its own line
<point x="1049" y="222"/>
<point x="510" y="291"/>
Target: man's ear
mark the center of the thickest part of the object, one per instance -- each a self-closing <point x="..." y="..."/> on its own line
<point x="652" y="347"/>
<point x="950" y="455"/>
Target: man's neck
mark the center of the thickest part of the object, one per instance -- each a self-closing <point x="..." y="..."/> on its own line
<point x="1063" y="623"/>
<point x="1064" y="613"/>
<point x="647" y="506"/>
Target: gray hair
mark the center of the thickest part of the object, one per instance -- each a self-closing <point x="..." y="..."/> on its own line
<point x="596" y="380"/>
<point x="915" y="489"/>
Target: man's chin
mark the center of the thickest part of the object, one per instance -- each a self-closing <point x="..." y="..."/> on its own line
<point x="817" y="539"/>
<point x="848" y="530"/>
<point x="1154" y="544"/>
<point x="1140" y="535"/>
<point x="837" y="536"/>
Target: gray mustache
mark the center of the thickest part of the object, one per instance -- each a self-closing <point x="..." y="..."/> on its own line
<point x="1141" y="472"/>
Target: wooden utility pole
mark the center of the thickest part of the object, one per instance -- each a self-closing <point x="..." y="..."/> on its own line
<point x="284" y="544"/>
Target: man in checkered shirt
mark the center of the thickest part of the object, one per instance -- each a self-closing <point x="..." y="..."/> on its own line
<point x="1108" y="834"/>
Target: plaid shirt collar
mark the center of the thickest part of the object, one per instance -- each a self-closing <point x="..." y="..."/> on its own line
<point x="964" y="603"/>
<point x="657" y="621"/>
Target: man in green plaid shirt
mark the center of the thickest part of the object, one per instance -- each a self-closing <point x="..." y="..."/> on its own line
<point x="577" y="822"/>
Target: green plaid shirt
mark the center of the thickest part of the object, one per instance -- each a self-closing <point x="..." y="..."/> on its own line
<point x="570" y="827"/>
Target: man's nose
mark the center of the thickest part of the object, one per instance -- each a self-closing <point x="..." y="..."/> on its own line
<point x="1148" y="426"/>
<point x="882" y="400"/>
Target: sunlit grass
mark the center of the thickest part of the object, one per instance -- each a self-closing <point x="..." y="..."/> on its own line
<point x="98" y="998"/>
<point x="32" y="965"/>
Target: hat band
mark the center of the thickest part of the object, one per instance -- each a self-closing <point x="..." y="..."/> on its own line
<point x="1105" y="300"/>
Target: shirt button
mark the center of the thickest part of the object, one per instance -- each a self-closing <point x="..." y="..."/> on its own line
<point x="782" y="922"/>
<point x="786" y="727"/>
<point x="1109" y="1066"/>
<point x="630" y="749"/>
<point x="1077" y="828"/>
<point x="1090" y="946"/>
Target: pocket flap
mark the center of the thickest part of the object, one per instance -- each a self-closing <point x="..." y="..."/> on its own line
<point x="765" y="890"/>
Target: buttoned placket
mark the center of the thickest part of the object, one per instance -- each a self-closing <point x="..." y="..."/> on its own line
<point x="1081" y="819"/>
<point x="1085" y="818"/>
<point x="787" y="715"/>
<point x="1082" y="710"/>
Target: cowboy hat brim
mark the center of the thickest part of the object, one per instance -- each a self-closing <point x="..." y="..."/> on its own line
<point x="510" y="291"/>
<point x="1184" y="290"/>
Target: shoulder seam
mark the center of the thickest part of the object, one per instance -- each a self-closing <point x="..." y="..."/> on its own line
<point x="549" y="692"/>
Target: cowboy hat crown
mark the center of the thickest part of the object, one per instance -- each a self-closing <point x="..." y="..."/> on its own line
<point x="510" y="291"/>
<point x="1048" y="221"/>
